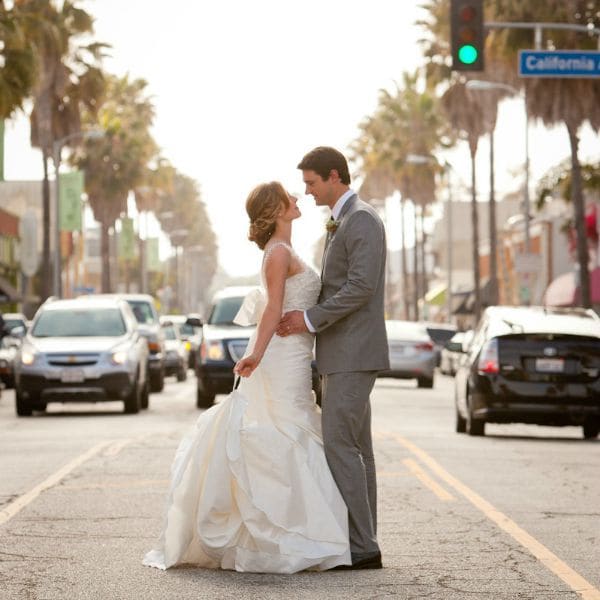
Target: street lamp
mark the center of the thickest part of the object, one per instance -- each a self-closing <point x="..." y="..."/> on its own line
<point x="477" y="84"/>
<point x="57" y="147"/>
<point x="176" y="237"/>
<point x="421" y="159"/>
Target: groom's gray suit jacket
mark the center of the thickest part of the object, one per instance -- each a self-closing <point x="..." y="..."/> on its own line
<point x="349" y="317"/>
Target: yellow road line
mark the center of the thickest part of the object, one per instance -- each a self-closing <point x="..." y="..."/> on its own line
<point x="422" y="476"/>
<point x="573" y="579"/>
<point x="9" y="511"/>
<point x="116" y="447"/>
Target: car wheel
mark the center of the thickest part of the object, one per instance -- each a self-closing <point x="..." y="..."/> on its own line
<point x="133" y="401"/>
<point x="157" y="381"/>
<point x="591" y="429"/>
<point x="461" y="422"/>
<point x="145" y="398"/>
<point x="182" y="373"/>
<point x="23" y="408"/>
<point x="204" y="399"/>
<point x="425" y="382"/>
<point x="474" y="426"/>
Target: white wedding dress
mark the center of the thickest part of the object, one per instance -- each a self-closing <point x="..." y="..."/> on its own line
<point x="250" y="486"/>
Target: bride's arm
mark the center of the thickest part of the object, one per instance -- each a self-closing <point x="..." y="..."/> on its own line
<point x="277" y="265"/>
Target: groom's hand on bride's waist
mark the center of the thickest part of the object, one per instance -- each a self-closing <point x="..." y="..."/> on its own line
<point x="292" y="322"/>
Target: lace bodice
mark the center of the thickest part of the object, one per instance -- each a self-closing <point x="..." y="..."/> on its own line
<point x="301" y="290"/>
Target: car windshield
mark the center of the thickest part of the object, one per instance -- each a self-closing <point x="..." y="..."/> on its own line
<point x="143" y="311"/>
<point x="186" y="329"/>
<point x="12" y="323"/>
<point x="97" y="322"/>
<point x="170" y="333"/>
<point x="224" y="311"/>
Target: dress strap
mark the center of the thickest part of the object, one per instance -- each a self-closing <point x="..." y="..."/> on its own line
<point x="273" y="246"/>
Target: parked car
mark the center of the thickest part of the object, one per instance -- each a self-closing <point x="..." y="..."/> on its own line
<point x="531" y="365"/>
<point x="451" y="353"/>
<point x="13" y="321"/>
<point x="223" y="344"/>
<point x="440" y="333"/>
<point x="412" y="352"/>
<point x="82" y="350"/>
<point x="190" y="333"/>
<point x="145" y="312"/>
<point x="176" y="352"/>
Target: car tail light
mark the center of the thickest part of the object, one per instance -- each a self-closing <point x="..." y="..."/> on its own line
<point x="424" y="346"/>
<point x="154" y="346"/>
<point x="488" y="358"/>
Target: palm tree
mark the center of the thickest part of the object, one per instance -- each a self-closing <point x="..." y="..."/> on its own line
<point x="470" y="114"/>
<point x="117" y="163"/>
<point x="18" y="66"/>
<point x="67" y="76"/>
<point x="572" y="102"/>
<point x="406" y="122"/>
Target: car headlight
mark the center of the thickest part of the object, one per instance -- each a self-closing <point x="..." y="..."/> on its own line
<point x="214" y="350"/>
<point x="28" y="358"/>
<point x="119" y="358"/>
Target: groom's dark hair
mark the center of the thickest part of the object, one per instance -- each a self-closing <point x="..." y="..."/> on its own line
<point x="324" y="159"/>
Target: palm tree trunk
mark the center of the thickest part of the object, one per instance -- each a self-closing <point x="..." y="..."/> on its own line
<point x="493" y="284"/>
<point x="105" y="251"/>
<point x="405" y="297"/>
<point x="475" y="233"/>
<point x="415" y="264"/>
<point x="423" y="264"/>
<point x="579" y="209"/>
<point x="46" y="275"/>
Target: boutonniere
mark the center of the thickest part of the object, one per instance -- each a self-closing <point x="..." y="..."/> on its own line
<point x="332" y="225"/>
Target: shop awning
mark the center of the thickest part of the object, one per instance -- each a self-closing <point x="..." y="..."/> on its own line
<point x="564" y="291"/>
<point x="7" y="292"/>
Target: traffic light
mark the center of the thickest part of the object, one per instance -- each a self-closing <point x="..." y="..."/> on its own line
<point x="467" y="35"/>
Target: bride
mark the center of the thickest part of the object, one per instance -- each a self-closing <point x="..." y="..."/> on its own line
<point x="250" y="486"/>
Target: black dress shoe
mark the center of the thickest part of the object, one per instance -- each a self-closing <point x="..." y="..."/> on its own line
<point x="369" y="562"/>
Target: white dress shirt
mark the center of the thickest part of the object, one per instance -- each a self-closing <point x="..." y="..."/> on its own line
<point x="335" y="213"/>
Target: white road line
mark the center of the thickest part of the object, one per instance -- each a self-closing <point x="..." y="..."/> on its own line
<point x="9" y="511"/>
<point x="573" y="579"/>
<point x="422" y="476"/>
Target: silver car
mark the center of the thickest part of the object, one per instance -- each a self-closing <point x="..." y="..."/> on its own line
<point x="82" y="350"/>
<point x="412" y="352"/>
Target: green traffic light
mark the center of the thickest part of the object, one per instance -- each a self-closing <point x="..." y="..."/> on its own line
<point x="467" y="54"/>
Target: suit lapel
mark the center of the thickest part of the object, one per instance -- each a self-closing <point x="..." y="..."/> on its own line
<point x="344" y="210"/>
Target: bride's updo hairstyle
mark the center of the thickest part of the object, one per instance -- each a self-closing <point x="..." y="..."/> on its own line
<point x="263" y="206"/>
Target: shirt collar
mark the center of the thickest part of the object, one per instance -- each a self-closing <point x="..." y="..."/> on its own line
<point x="337" y="207"/>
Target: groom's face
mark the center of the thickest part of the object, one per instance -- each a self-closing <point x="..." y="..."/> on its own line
<point x="320" y="189"/>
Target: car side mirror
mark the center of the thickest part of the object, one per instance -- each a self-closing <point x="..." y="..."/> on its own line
<point x="455" y="347"/>
<point x="194" y="321"/>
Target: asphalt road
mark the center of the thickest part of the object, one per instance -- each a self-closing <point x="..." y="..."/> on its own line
<point x="515" y="514"/>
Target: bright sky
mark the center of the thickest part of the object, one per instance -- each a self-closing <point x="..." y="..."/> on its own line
<point x="244" y="89"/>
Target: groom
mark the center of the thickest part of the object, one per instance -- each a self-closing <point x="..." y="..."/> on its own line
<point x="351" y="345"/>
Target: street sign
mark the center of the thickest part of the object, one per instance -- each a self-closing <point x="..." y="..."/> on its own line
<point x="71" y="188"/>
<point x="559" y="63"/>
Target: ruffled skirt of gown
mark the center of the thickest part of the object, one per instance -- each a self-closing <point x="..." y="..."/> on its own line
<point x="250" y="486"/>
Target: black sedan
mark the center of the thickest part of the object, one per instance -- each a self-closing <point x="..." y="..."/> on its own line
<point x="531" y="365"/>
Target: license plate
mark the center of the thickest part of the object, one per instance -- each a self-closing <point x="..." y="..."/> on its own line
<point x="549" y="365"/>
<point x="72" y="376"/>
